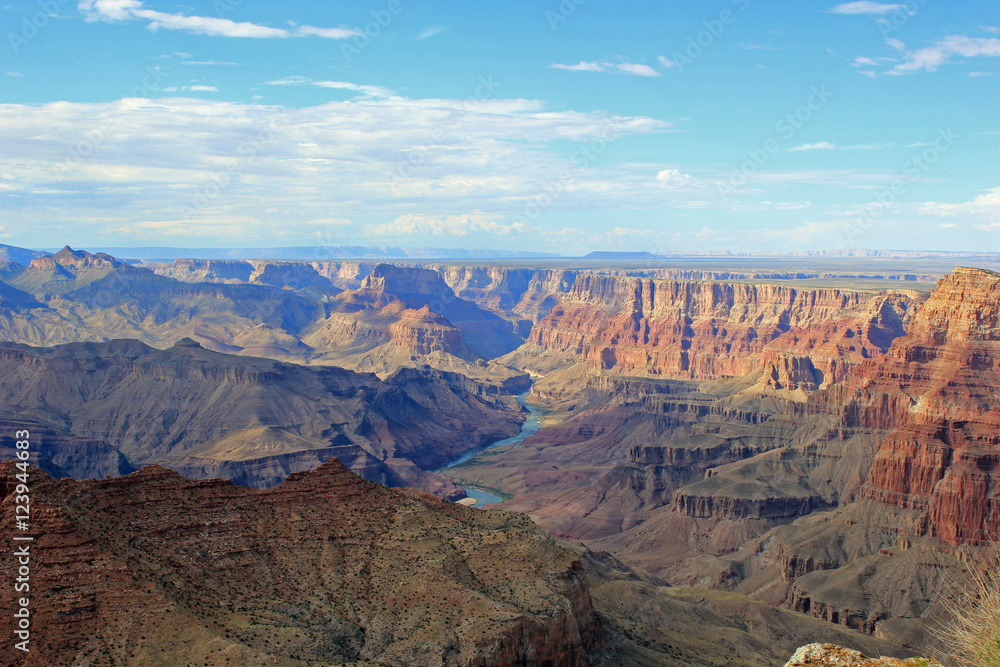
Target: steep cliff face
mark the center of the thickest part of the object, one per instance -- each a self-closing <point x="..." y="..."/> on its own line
<point x="939" y="388"/>
<point x="483" y="332"/>
<point x="206" y="270"/>
<point x="325" y="567"/>
<point x="526" y="293"/>
<point x="681" y="329"/>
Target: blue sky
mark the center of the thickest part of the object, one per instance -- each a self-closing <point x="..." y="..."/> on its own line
<point x="559" y="126"/>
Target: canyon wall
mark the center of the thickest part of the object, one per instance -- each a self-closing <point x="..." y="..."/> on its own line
<point x="682" y="329"/>
<point x="938" y="390"/>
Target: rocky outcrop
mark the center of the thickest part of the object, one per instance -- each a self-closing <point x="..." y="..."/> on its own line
<point x="829" y="655"/>
<point x="292" y="311"/>
<point x="324" y="567"/>
<point x="735" y="508"/>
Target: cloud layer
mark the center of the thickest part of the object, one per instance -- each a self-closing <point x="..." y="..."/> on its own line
<point x="179" y="166"/>
<point x="636" y="69"/>
<point x="133" y="10"/>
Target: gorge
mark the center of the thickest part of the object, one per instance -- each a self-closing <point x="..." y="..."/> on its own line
<point x="824" y="443"/>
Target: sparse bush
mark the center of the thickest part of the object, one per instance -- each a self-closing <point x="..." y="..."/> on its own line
<point x="974" y="633"/>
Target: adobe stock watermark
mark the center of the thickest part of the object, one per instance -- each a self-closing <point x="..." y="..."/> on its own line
<point x="704" y="39"/>
<point x="419" y="155"/>
<point x="381" y="19"/>
<point x="581" y="159"/>
<point x="786" y="127"/>
<point x="561" y="13"/>
<point x="246" y="152"/>
<point x="889" y="23"/>
<point x="31" y="25"/>
<point x="914" y="168"/>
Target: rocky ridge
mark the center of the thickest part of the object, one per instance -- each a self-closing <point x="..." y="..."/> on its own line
<point x="325" y="568"/>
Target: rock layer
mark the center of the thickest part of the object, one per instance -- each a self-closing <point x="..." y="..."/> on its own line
<point x="682" y="329"/>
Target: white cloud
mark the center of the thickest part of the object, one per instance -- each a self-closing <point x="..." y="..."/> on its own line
<point x="896" y="43"/>
<point x="826" y="145"/>
<point x="329" y="33"/>
<point x="944" y="50"/>
<point x="987" y="204"/>
<point x="820" y="145"/>
<point x="635" y="69"/>
<point x="581" y="66"/>
<point x="865" y="7"/>
<point x="412" y="224"/>
<point x="666" y="62"/>
<point x="17" y="74"/>
<point x="371" y="91"/>
<point x="194" y="89"/>
<point x="127" y="10"/>
<point x="977" y="74"/>
<point x="673" y="178"/>
<point x="208" y="163"/>
<point x="430" y="32"/>
<point x="757" y="47"/>
<point x="861" y="60"/>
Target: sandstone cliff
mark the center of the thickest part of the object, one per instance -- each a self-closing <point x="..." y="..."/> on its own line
<point x="681" y="329"/>
<point x="939" y="387"/>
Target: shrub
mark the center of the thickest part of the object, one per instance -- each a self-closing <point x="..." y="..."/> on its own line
<point x="974" y="632"/>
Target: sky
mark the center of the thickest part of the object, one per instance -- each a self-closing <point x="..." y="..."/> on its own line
<point x="556" y="125"/>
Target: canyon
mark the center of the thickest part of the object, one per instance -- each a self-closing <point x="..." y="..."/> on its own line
<point x="820" y="441"/>
<point x="250" y="420"/>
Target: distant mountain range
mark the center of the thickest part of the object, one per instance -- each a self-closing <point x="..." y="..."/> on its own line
<point x="9" y="253"/>
<point x="348" y="252"/>
<point x="157" y="253"/>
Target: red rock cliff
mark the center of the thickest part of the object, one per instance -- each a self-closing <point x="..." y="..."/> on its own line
<point x="700" y="330"/>
<point x="938" y="389"/>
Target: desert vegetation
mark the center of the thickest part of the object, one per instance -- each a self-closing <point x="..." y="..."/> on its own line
<point x="974" y="633"/>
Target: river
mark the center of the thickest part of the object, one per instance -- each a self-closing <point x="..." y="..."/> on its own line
<point x="529" y="427"/>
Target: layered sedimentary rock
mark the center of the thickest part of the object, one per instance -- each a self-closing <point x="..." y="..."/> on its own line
<point x="523" y="293"/>
<point x="939" y="388"/>
<point x="206" y="270"/>
<point x="152" y="568"/>
<point x="918" y="430"/>
<point x="683" y="329"/>
<point x="485" y="333"/>
<point x="248" y="419"/>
